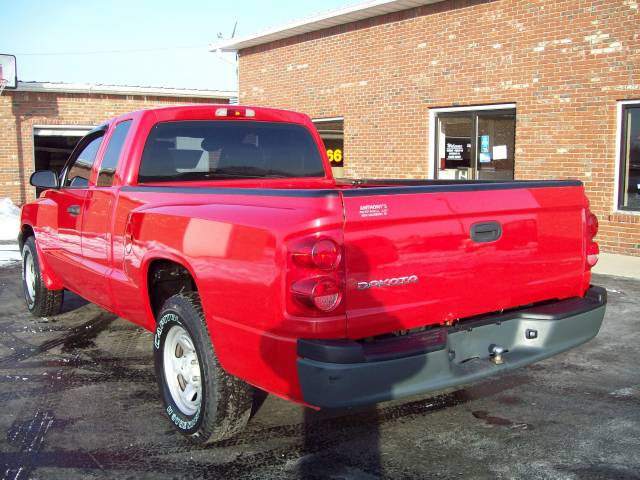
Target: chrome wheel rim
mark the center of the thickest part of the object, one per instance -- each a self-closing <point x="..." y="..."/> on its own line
<point x="29" y="275"/>
<point x="182" y="370"/>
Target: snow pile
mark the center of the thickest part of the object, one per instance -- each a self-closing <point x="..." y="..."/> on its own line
<point x="9" y="228"/>
<point x="9" y="220"/>
<point x="9" y="254"/>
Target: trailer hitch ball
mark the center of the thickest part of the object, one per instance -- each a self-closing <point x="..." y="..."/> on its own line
<point x="496" y="354"/>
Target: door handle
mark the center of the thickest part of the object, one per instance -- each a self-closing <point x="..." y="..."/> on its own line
<point x="73" y="210"/>
<point x="486" y="232"/>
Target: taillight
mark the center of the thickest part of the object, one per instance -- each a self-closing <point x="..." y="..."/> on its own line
<point x="593" y="249"/>
<point x="315" y="276"/>
<point x="592" y="224"/>
<point x="323" y="254"/>
<point x="323" y="293"/>
<point x="326" y="295"/>
<point x="593" y="252"/>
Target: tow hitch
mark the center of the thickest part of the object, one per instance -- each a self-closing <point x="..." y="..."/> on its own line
<point x="496" y="354"/>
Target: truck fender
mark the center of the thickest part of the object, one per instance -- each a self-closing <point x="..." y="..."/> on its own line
<point x="51" y="281"/>
<point x="147" y="260"/>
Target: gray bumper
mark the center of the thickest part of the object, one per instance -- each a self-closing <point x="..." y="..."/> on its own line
<point x="342" y="373"/>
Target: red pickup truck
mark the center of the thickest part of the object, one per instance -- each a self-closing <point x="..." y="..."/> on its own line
<point x="221" y="229"/>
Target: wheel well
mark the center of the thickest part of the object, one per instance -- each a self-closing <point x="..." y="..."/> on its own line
<point x="166" y="278"/>
<point x="25" y="232"/>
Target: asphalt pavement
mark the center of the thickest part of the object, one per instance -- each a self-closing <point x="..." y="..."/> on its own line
<point x="78" y="399"/>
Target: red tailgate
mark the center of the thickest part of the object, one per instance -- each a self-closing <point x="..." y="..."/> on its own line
<point x="392" y="237"/>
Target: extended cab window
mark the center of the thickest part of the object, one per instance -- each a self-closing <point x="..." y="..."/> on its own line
<point x="112" y="154"/>
<point x="205" y="150"/>
<point x="80" y="170"/>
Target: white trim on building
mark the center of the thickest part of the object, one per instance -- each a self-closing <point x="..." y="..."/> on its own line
<point x="55" y="87"/>
<point x="352" y="13"/>
<point x="61" y="130"/>
<point x="329" y="119"/>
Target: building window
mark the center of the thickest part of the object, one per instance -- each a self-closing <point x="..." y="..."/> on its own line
<point x="629" y="193"/>
<point x="475" y="143"/>
<point x="331" y="131"/>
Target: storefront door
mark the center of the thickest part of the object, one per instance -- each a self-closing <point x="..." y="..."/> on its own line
<point x="475" y="144"/>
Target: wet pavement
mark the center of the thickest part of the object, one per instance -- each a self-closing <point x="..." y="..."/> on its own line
<point x="78" y="399"/>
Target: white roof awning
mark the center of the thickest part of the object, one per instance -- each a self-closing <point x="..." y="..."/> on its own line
<point x="361" y="11"/>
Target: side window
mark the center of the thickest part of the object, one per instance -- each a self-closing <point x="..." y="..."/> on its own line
<point x="112" y="154"/>
<point x="80" y="171"/>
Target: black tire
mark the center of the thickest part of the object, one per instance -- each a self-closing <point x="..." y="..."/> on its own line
<point x="225" y="401"/>
<point x="41" y="301"/>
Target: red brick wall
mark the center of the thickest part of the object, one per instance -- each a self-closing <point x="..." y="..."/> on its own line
<point x="20" y="111"/>
<point x="564" y="63"/>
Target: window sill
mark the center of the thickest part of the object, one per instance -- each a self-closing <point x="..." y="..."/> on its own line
<point x="625" y="216"/>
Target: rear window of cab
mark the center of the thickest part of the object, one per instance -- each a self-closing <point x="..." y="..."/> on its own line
<point x="209" y="150"/>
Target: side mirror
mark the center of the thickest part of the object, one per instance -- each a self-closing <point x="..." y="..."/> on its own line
<point x="44" y="179"/>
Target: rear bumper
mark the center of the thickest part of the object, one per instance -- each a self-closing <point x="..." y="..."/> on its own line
<point x="343" y="373"/>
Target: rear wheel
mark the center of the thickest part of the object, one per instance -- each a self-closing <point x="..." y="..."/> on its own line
<point x="202" y="401"/>
<point x="41" y="301"/>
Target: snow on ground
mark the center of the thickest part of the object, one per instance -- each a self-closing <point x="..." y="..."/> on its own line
<point x="9" y="228"/>
<point x="9" y="254"/>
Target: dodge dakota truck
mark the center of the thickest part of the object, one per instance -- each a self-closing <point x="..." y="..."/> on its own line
<point x="221" y="229"/>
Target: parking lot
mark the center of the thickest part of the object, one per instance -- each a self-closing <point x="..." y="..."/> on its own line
<point x="79" y="399"/>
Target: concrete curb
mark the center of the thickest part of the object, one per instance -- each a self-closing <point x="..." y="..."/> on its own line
<point x="618" y="265"/>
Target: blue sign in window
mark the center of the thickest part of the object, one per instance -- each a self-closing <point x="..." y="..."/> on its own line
<point x="484" y="143"/>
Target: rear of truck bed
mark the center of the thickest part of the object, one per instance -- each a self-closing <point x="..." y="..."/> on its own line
<point x="442" y="277"/>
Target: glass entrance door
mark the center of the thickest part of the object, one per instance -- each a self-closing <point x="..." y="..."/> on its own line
<point x="475" y="145"/>
<point x="454" y="147"/>
<point x="496" y="145"/>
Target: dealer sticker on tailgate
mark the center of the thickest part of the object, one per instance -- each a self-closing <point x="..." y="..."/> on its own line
<point x="374" y="210"/>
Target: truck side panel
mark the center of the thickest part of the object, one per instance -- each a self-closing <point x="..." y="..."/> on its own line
<point x="234" y="247"/>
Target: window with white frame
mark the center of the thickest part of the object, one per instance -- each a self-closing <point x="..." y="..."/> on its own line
<point x="629" y="173"/>
<point x="474" y="142"/>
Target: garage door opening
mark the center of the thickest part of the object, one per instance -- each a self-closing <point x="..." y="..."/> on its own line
<point x="52" y="145"/>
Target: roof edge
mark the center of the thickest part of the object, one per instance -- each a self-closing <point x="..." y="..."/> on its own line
<point x="55" y="87"/>
<point x="341" y="16"/>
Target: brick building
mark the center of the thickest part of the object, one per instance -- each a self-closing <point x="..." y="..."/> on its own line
<point x="469" y="89"/>
<point x="40" y="123"/>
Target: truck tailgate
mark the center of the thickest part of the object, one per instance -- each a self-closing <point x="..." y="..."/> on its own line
<point x="422" y="255"/>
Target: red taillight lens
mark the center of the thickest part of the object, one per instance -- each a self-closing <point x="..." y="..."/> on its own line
<point x="315" y="277"/>
<point x="592" y="225"/>
<point x="593" y="249"/>
<point x="593" y="252"/>
<point x="323" y="254"/>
